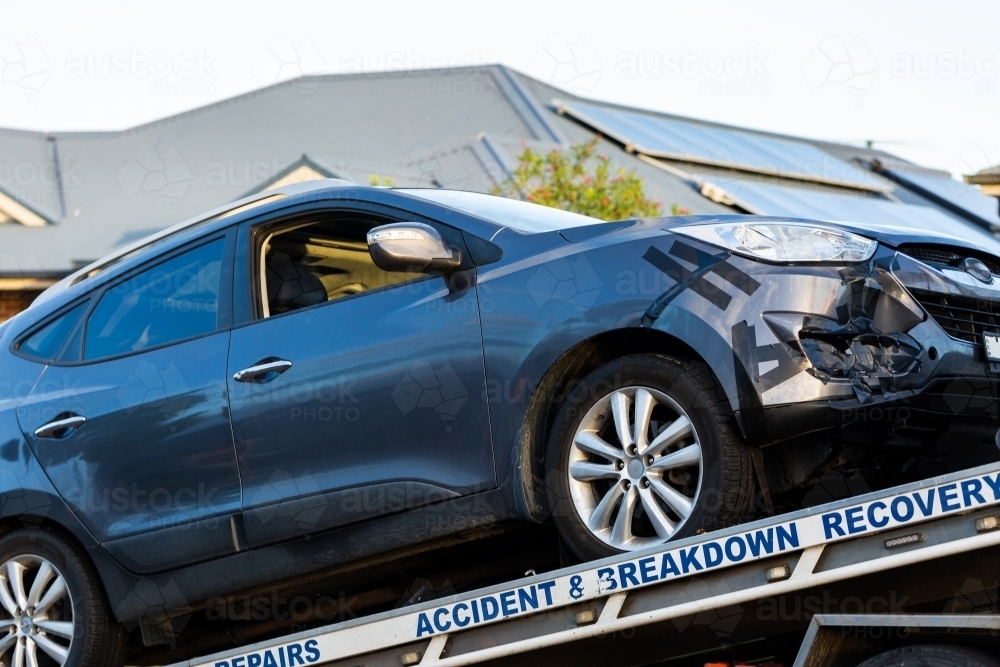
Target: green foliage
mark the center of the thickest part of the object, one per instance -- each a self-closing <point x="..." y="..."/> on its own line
<point x="581" y="181"/>
<point x="384" y="181"/>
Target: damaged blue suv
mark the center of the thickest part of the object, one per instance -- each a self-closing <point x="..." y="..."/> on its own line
<point x="326" y="373"/>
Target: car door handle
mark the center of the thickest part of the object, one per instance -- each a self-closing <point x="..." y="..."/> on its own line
<point x="264" y="370"/>
<point x="59" y="428"/>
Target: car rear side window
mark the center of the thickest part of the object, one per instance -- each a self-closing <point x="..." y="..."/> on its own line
<point x="46" y="342"/>
<point x="174" y="300"/>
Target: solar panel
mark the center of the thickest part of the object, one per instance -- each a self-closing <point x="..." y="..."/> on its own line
<point x="800" y="202"/>
<point x="687" y="141"/>
<point x="946" y="190"/>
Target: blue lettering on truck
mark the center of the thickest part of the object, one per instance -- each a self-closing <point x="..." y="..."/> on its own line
<point x="918" y="504"/>
<point x="713" y="554"/>
<point x="626" y="575"/>
<point x="486" y="608"/>
<point x="703" y="557"/>
<point x="292" y="655"/>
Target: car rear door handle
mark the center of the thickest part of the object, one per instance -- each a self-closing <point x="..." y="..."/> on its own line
<point x="264" y="370"/>
<point x="59" y="428"/>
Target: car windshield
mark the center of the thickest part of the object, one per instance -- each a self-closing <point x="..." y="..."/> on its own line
<point x="518" y="215"/>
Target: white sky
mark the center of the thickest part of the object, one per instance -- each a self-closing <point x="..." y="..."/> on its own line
<point x="920" y="78"/>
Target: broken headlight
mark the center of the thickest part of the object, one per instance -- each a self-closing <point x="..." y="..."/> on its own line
<point x="784" y="242"/>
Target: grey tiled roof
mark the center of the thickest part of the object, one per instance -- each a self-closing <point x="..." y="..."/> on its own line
<point x="28" y="173"/>
<point x="121" y="184"/>
<point x="457" y="128"/>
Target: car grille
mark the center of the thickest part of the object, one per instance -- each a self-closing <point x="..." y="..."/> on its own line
<point x="961" y="317"/>
<point x="941" y="256"/>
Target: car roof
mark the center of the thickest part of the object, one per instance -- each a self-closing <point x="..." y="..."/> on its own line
<point x="253" y="205"/>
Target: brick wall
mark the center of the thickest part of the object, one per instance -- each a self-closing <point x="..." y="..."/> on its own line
<point x="12" y="303"/>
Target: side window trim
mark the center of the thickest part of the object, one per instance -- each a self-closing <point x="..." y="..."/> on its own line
<point x="259" y="276"/>
<point x="224" y="316"/>
<point x="79" y="328"/>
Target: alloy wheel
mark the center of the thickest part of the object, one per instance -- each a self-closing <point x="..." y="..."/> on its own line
<point x="36" y="613"/>
<point x="635" y="468"/>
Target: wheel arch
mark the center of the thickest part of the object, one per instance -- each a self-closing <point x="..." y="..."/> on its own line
<point x="575" y="364"/>
<point x="36" y="506"/>
<point x="28" y="520"/>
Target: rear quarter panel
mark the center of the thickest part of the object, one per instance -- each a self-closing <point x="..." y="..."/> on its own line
<point x="27" y="497"/>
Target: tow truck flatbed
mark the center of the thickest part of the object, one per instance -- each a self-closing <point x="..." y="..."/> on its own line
<point x="843" y="543"/>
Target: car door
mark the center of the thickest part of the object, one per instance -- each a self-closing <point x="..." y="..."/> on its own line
<point x="354" y="392"/>
<point x="132" y="423"/>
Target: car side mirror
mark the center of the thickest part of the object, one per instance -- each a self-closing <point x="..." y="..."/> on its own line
<point x="413" y="247"/>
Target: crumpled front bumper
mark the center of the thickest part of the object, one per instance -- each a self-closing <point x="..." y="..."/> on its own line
<point x="890" y="350"/>
<point x="819" y="346"/>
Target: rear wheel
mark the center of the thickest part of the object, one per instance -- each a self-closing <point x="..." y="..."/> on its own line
<point x="643" y="451"/>
<point x="52" y="607"/>
<point x="932" y="656"/>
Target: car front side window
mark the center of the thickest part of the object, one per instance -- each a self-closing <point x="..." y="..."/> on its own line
<point x="172" y="301"/>
<point x="309" y="263"/>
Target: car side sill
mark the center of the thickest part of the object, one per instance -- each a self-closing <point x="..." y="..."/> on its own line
<point x="328" y="554"/>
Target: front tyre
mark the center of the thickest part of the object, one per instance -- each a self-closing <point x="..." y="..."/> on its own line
<point x="53" y="610"/>
<point x="643" y="451"/>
